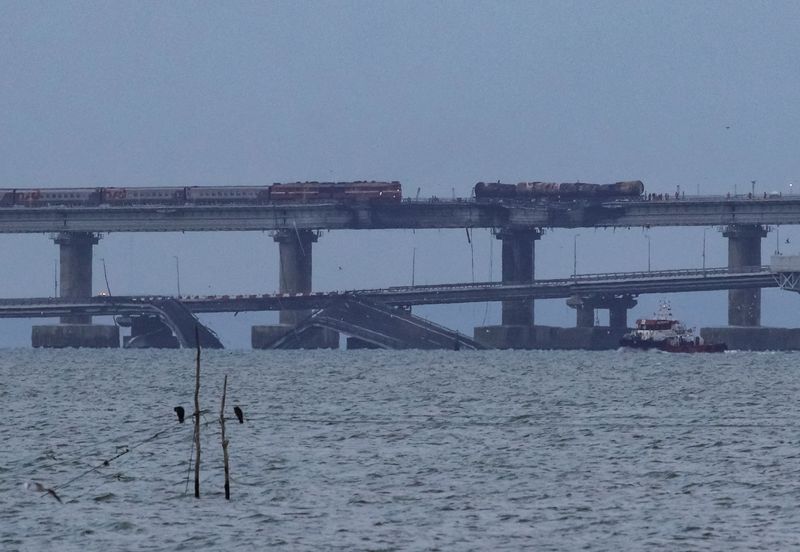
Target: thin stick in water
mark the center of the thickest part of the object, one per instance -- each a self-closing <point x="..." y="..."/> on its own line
<point x="225" y="441"/>
<point x="197" y="416"/>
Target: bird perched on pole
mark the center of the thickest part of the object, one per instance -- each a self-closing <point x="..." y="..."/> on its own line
<point x="239" y="414"/>
<point x="181" y="413"/>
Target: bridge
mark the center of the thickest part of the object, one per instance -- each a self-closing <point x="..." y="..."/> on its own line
<point x="743" y="221"/>
<point x="428" y="213"/>
<point x="587" y="291"/>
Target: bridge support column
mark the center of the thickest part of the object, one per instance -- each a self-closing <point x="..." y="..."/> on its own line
<point x="744" y="250"/>
<point x="584" y="309"/>
<point x="519" y="256"/>
<point x="75" y="269"/>
<point x="517" y="330"/>
<point x="618" y="312"/>
<point x="294" y="276"/>
<point x="617" y="305"/>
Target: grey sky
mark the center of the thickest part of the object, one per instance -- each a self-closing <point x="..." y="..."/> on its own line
<point x="436" y="95"/>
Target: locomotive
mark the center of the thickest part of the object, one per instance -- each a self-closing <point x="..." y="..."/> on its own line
<point x="302" y="192"/>
<point x="527" y="191"/>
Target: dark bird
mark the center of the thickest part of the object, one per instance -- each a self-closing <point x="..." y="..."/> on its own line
<point x="239" y="414"/>
<point x="181" y="413"/>
<point x="39" y="488"/>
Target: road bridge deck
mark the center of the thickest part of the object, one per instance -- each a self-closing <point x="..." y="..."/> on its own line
<point x="634" y="283"/>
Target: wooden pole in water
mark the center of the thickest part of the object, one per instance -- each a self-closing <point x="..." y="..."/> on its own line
<point x="197" y="417"/>
<point x="225" y="441"/>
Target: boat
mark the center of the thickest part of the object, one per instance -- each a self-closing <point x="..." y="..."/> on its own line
<point x="665" y="333"/>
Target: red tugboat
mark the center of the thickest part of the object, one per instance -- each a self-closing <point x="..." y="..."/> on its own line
<point x="667" y="334"/>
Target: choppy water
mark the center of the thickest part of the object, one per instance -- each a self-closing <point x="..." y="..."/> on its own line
<point x="368" y="450"/>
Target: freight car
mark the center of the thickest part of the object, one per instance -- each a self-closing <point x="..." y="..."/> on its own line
<point x="525" y="191"/>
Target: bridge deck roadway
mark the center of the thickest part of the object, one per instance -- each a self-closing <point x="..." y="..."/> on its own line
<point x="621" y="283"/>
<point x="432" y="213"/>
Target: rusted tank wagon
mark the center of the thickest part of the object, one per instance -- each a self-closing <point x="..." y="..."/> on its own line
<point x="554" y="190"/>
<point x="495" y="190"/>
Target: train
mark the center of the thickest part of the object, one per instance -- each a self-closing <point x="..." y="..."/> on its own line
<point x="527" y="191"/>
<point x="293" y="192"/>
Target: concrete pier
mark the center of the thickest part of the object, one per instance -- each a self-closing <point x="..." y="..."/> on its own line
<point x="744" y="249"/>
<point x="618" y="312"/>
<point x="754" y="339"/>
<point x="295" y="268"/>
<point x="75" y="282"/>
<point x="150" y="332"/>
<point x="294" y="276"/>
<point x="584" y="309"/>
<point x="59" y="336"/>
<point x="519" y="258"/>
<point x="617" y="305"/>
<point x="596" y="338"/>
<point x="75" y="269"/>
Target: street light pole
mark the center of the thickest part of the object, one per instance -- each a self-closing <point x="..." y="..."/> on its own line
<point x="575" y="255"/>
<point x="105" y="276"/>
<point x="704" y="249"/>
<point x="648" y="251"/>
<point x="178" y="273"/>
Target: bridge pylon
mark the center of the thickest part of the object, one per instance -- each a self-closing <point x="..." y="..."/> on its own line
<point x="295" y="248"/>
<point x="617" y="305"/>
<point x="75" y="282"/>
<point x="519" y="261"/>
<point x="744" y="250"/>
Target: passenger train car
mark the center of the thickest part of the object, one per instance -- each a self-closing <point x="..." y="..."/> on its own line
<point x="204" y="195"/>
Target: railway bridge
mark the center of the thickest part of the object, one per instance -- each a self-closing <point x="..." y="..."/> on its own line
<point x="743" y="220"/>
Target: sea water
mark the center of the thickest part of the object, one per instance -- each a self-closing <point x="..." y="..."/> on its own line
<point x="402" y="450"/>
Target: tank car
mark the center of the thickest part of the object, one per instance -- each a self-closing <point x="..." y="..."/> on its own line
<point x="555" y="190"/>
<point x="495" y="190"/>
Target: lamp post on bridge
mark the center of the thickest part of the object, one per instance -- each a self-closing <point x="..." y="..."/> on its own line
<point x="575" y="255"/>
<point x="648" y="251"/>
<point x="177" y="273"/>
<point x="704" y="249"/>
